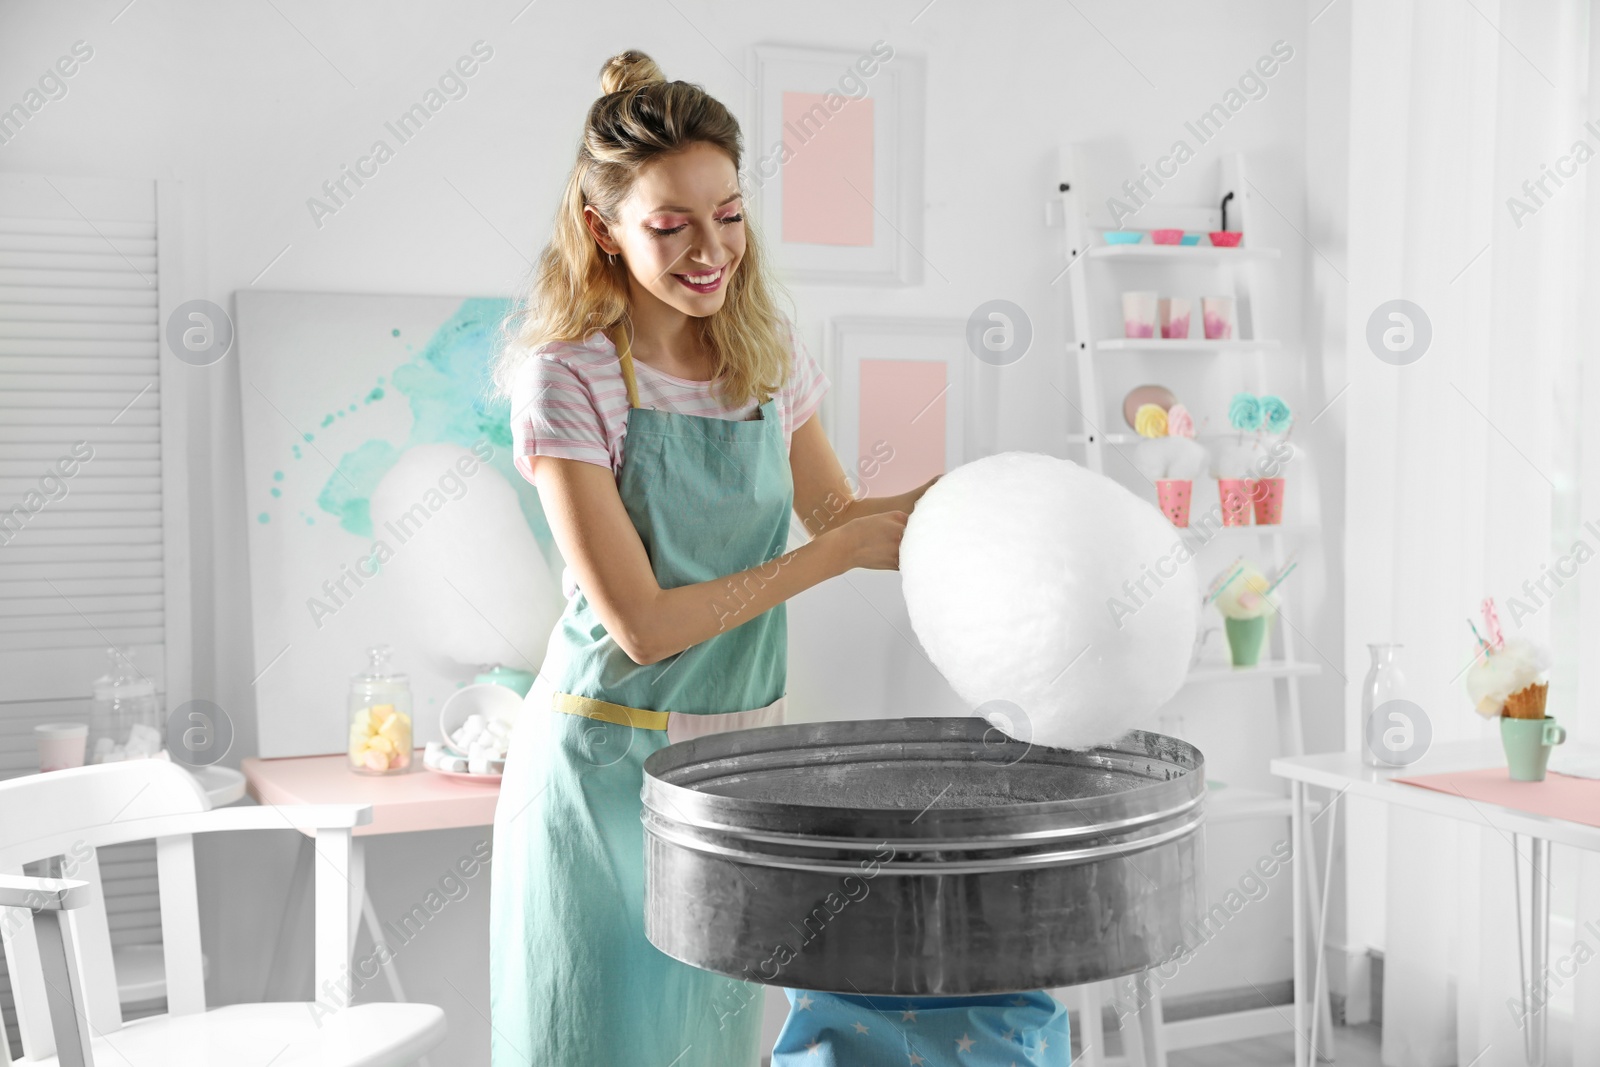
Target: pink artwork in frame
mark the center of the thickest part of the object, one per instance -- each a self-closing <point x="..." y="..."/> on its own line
<point x="901" y="435"/>
<point x="827" y="177"/>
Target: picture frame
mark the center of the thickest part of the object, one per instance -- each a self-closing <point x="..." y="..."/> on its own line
<point x="829" y="122"/>
<point x="887" y="376"/>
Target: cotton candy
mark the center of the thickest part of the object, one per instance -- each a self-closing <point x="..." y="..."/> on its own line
<point x="1511" y="668"/>
<point x="1171" y="457"/>
<point x="1033" y="581"/>
<point x="1234" y="459"/>
<point x="471" y="576"/>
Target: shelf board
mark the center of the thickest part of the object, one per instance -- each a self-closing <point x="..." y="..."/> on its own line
<point x="1208" y="673"/>
<point x="1133" y="438"/>
<point x="1191" y="345"/>
<point x="1291" y="529"/>
<point x="1180" y="253"/>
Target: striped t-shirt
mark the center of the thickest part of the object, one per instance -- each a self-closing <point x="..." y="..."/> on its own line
<point x="569" y="400"/>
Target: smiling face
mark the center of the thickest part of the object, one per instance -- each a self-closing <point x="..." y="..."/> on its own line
<point x="680" y="230"/>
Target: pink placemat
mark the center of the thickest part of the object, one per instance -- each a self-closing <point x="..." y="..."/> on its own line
<point x="1559" y="796"/>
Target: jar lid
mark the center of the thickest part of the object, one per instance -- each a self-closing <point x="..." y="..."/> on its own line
<point x="123" y="677"/>
<point x="378" y="668"/>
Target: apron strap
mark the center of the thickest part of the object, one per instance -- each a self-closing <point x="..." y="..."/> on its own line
<point x="677" y="725"/>
<point x="605" y="711"/>
<point x="625" y="353"/>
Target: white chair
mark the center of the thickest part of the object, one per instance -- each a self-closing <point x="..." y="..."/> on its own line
<point x="58" y="943"/>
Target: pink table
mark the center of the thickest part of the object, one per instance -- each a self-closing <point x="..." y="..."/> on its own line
<point x="419" y="799"/>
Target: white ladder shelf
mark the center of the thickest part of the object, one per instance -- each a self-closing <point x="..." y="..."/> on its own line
<point x="1085" y="257"/>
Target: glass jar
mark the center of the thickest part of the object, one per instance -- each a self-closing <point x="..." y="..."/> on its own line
<point x="125" y="720"/>
<point x="1383" y="683"/>
<point x="380" y="718"/>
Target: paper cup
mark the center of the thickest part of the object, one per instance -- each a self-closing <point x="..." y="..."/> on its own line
<point x="61" y="744"/>
<point x="1268" y="496"/>
<point x="1235" y="496"/>
<point x="1246" y="638"/>
<point x="1217" y="314"/>
<point x="1174" y="316"/>
<point x="1139" y="314"/>
<point x="1173" y="495"/>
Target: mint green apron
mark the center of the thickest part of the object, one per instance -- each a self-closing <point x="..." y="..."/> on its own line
<point x="573" y="980"/>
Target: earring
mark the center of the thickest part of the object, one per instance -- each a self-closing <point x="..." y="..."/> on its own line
<point x="611" y="257"/>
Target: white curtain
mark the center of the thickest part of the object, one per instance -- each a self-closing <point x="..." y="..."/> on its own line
<point x="1471" y="470"/>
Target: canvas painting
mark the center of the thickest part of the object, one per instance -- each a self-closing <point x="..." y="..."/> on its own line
<point x="383" y="507"/>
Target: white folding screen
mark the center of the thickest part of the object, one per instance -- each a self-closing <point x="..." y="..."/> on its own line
<point x="92" y="508"/>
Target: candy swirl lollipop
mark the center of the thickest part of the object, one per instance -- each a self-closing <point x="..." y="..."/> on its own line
<point x="1150" y="421"/>
<point x="1179" y="422"/>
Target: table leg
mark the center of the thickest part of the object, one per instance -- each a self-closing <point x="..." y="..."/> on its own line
<point x="363" y="913"/>
<point x="1322" y="936"/>
<point x="375" y="930"/>
<point x="1297" y="800"/>
<point x="1538" y="950"/>
<point x="358" y="889"/>
<point x="1321" y="1005"/>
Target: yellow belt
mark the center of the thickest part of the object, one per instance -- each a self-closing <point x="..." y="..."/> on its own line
<point x="620" y="714"/>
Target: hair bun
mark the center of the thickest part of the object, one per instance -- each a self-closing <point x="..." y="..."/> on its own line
<point x="629" y="70"/>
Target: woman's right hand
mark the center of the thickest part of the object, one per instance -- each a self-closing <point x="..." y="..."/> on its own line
<point x="872" y="541"/>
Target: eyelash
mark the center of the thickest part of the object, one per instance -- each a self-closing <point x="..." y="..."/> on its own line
<point x="668" y="233"/>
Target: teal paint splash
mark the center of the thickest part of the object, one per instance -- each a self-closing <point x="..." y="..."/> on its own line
<point x="263" y="517"/>
<point x="347" y="494"/>
<point x="448" y="386"/>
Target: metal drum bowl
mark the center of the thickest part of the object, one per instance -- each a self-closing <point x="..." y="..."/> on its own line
<point x="921" y="857"/>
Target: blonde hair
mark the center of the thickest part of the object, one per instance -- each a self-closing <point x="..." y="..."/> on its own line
<point x="574" y="290"/>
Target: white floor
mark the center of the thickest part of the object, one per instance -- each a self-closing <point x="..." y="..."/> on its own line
<point x="1354" y="1046"/>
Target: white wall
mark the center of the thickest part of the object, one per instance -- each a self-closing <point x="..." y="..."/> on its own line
<point x="253" y="107"/>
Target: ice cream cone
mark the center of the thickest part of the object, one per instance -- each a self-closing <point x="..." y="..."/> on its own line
<point x="1527" y="703"/>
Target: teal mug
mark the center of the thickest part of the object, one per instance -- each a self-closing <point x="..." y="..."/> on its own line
<point x="1528" y="743"/>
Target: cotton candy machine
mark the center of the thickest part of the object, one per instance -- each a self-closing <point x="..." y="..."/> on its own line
<point x="928" y="857"/>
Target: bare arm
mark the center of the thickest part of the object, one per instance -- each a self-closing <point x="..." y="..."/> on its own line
<point x="823" y="497"/>
<point x="599" y="542"/>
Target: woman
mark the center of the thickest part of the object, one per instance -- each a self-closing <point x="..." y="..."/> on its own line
<point x="667" y="414"/>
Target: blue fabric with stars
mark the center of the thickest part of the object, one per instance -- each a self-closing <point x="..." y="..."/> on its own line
<point x="1011" y="1030"/>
